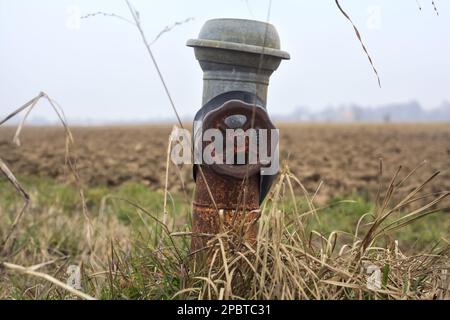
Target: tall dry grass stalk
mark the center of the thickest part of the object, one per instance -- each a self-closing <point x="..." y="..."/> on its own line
<point x="69" y="159"/>
<point x="358" y="35"/>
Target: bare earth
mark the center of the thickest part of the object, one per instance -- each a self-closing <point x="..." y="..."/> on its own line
<point x="344" y="157"/>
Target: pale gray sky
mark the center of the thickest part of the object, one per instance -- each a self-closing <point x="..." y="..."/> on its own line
<point x="101" y="69"/>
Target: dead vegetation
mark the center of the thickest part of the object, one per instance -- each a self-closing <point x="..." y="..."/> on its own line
<point x="291" y="261"/>
<point x="149" y="259"/>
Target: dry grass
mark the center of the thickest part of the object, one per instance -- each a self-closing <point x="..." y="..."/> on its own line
<point x="149" y="259"/>
<point x="291" y="261"/>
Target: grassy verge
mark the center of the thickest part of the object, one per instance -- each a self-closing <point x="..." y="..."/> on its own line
<point x="129" y="256"/>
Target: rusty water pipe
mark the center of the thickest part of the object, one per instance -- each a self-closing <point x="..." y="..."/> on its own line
<point x="237" y="57"/>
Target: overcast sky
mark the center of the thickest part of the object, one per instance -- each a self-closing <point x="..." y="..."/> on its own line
<point x="99" y="69"/>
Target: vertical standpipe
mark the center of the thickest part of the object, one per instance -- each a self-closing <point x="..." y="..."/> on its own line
<point x="237" y="58"/>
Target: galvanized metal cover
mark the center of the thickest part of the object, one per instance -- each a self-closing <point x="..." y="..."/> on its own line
<point x="240" y="35"/>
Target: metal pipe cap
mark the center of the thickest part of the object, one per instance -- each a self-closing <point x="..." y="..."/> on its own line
<point x="247" y="36"/>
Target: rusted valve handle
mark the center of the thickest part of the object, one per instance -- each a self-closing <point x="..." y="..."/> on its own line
<point x="236" y="114"/>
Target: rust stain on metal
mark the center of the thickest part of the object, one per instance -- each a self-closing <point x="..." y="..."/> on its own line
<point x="237" y="198"/>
